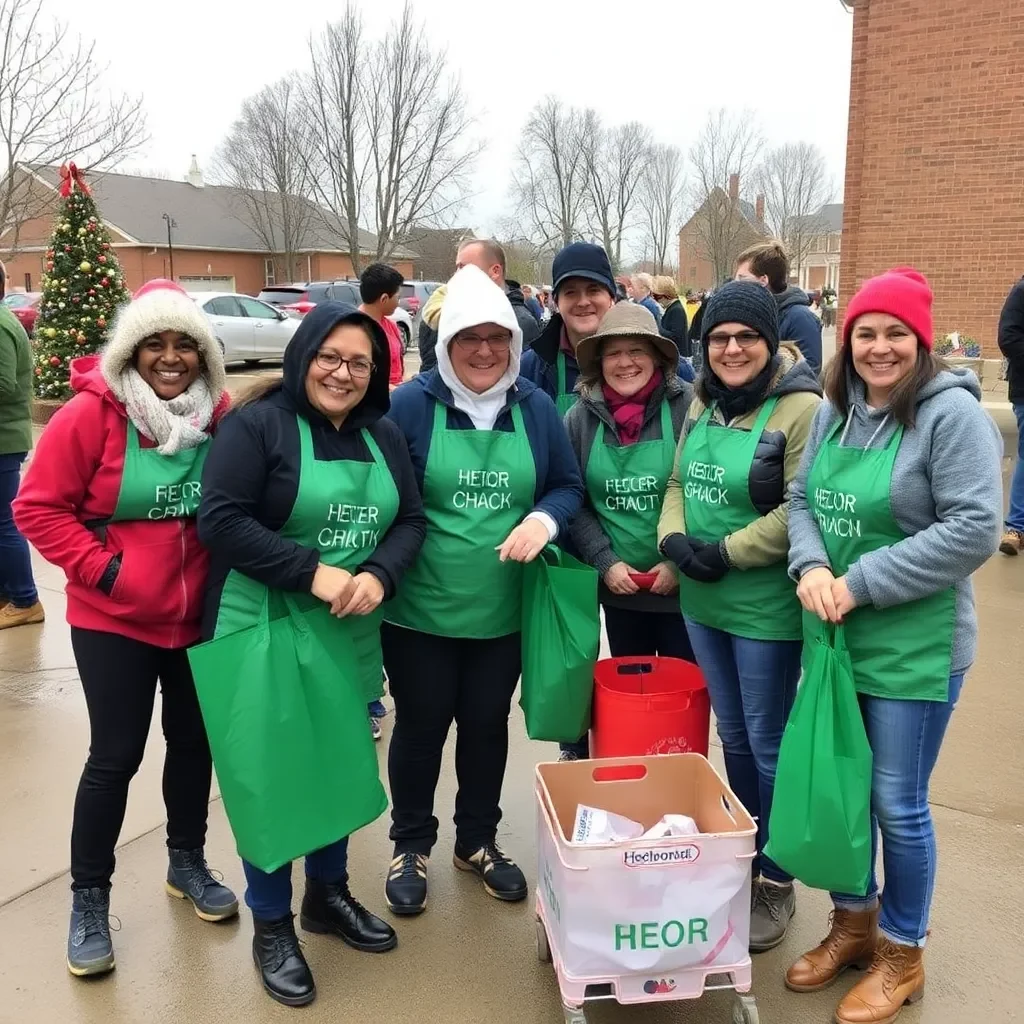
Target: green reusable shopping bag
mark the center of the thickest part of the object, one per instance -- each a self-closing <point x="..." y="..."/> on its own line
<point x="286" y="720"/>
<point x="560" y="642"/>
<point x="820" y="825"/>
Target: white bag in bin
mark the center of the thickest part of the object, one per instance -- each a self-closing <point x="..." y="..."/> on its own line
<point x="596" y="826"/>
<point x="657" y="905"/>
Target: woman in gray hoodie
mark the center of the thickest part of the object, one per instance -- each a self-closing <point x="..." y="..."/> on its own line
<point x="896" y="504"/>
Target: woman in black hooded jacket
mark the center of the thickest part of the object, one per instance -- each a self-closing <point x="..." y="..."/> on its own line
<point x="310" y="490"/>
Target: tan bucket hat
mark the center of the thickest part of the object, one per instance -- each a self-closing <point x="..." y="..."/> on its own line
<point x="624" y="320"/>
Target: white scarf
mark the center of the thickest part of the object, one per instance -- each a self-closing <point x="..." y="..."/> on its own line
<point x="177" y="424"/>
<point x="473" y="299"/>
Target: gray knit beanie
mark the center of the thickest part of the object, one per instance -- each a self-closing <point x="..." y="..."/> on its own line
<point x="743" y="302"/>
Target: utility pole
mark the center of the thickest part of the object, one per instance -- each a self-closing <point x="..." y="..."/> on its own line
<point x="171" y="223"/>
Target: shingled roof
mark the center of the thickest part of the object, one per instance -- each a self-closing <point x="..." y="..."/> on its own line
<point x="207" y="217"/>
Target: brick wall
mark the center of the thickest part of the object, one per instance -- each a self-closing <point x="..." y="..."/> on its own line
<point x="934" y="162"/>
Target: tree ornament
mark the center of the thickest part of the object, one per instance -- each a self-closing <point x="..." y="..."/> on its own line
<point x="55" y="360"/>
<point x="101" y="321"/>
<point x="50" y="332"/>
<point x="86" y="319"/>
<point x="101" y="258"/>
<point x="81" y="231"/>
<point x="60" y="305"/>
<point x="105" y="283"/>
<point x="85" y="266"/>
<point x="39" y="372"/>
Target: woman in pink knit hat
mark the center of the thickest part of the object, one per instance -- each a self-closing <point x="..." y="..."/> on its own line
<point x="896" y="504"/>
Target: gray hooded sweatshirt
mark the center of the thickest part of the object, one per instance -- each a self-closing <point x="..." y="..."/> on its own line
<point x="946" y="495"/>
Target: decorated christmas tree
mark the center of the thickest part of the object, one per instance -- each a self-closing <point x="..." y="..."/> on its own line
<point x="82" y="288"/>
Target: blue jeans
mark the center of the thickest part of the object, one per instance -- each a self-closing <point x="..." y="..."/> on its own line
<point x="905" y="738"/>
<point x="16" y="582"/>
<point x="1015" y="516"/>
<point x="752" y="685"/>
<point x="270" y="896"/>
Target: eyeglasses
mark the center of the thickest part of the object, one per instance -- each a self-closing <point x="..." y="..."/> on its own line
<point x="632" y="354"/>
<point x="745" y="339"/>
<point x="495" y="342"/>
<point x="359" y="368"/>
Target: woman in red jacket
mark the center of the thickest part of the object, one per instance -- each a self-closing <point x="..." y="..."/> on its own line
<point x="110" y="497"/>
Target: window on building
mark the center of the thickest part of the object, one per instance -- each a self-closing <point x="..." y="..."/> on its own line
<point x="269" y="277"/>
<point x="693" y="273"/>
<point x="834" y="242"/>
<point x="28" y="282"/>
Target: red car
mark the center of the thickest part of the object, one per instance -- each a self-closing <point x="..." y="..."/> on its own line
<point x="25" y="306"/>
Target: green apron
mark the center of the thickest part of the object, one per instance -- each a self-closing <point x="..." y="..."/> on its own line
<point x="156" y="486"/>
<point x="346" y="534"/>
<point x="714" y="468"/>
<point x="625" y="484"/>
<point x="477" y="487"/>
<point x="903" y="652"/>
<point x="565" y="399"/>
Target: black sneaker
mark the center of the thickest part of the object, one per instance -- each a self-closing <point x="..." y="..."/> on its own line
<point x="501" y="875"/>
<point x="188" y="878"/>
<point x="406" y="888"/>
<point x="90" y="950"/>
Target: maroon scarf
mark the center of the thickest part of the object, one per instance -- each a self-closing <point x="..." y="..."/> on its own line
<point x="628" y="413"/>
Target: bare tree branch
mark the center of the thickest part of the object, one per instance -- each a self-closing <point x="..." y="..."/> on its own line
<point x="53" y="108"/>
<point x="727" y="144"/>
<point x="264" y="158"/>
<point x="615" y="160"/>
<point x="549" y="182"/>
<point x="661" y="193"/>
<point x="795" y="183"/>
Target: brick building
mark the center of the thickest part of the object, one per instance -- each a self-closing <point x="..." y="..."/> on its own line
<point x="215" y="244"/>
<point x="935" y="154"/>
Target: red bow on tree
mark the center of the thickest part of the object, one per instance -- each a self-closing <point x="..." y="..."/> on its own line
<point x="71" y="176"/>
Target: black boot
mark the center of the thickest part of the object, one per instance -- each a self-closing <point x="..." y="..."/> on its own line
<point x="331" y="910"/>
<point x="283" y="968"/>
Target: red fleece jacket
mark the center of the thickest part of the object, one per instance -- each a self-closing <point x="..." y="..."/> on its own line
<point x="75" y="477"/>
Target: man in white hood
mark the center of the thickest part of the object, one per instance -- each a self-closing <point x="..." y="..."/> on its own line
<point x="499" y="481"/>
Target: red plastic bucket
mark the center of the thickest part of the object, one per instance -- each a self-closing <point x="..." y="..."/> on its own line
<point x="645" y="706"/>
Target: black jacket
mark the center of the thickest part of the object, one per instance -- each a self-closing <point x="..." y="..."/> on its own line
<point x="1011" y="340"/>
<point x="674" y="327"/>
<point x="251" y="475"/>
<point x="798" y="324"/>
<point x="427" y="339"/>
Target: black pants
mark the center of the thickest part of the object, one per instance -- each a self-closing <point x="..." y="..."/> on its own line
<point x="434" y="681"/>
<point x="634" y="634"/>
<point x="119" y="677"/>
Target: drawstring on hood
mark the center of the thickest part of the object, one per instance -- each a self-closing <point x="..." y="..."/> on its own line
<point x="316" y="325"/>
<point x="473" y="299"/>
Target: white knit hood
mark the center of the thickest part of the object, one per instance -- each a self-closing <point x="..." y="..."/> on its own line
<point x="160" y="306"/>
<point x="473" y="299"/>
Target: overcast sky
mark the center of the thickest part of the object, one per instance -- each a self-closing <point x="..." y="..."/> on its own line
<point x="194" y="61"/>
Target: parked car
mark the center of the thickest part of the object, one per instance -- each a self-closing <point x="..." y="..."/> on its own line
<point x="25" y="306"/>
<point x="299" y="299"/>
<point x="248" y="329"/>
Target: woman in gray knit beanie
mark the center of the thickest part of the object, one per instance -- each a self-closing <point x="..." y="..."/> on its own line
<point x="723" y="522"/>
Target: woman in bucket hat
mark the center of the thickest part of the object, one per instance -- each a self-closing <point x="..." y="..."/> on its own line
<point x="723" y="523"/>
<point x="904" y="442"/>
<point x="111" y="498"/>
<point x="624" y="430"/>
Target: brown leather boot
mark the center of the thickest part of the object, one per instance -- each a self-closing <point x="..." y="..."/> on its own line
<point x="850" y="943"/>
<point x="896" y="977"/>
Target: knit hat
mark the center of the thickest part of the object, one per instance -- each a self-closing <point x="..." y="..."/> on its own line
<point x="903" y="293"/>
<point x="743" y="302"/>
<point x="583" y="259"/>
<point x="624" y="320"/>
<point x="160" y="305"/>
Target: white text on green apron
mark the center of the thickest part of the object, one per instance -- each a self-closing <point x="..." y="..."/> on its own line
<point x="843" y="506"/>
<point x="632" y="494"/>
<point x="704" y="483"/>
<point x="340" y="530"/>
<point x="484" y="488"/>
<point x="175" y="501"/>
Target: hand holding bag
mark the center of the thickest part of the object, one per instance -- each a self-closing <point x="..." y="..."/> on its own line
<point x="560" y="642"/>
<point x="820" y="825"/>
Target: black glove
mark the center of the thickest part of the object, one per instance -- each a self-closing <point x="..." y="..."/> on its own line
<point x="106" y="582"/>
<point x="708" y="565"/>
<point x="679" y="548"/>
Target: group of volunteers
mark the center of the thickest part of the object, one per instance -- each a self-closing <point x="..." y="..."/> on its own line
<point x="729" y="519"/>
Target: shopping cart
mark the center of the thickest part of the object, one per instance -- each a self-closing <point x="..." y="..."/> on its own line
<point x="646" y="920"/>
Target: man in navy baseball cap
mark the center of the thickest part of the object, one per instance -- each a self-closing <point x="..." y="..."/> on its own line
<point x="584" y="290"/>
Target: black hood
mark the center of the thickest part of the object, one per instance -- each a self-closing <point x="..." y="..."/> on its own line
<point x="792" y="296"/>
<point x="302" y="349"/>
<point x="514" y="292"/>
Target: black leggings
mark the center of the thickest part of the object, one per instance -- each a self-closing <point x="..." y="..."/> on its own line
<point x="119" y="677"/>
<point x="434" y="681"/>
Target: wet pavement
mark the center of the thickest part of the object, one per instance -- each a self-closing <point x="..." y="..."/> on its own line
<point x="468" y="959"/>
